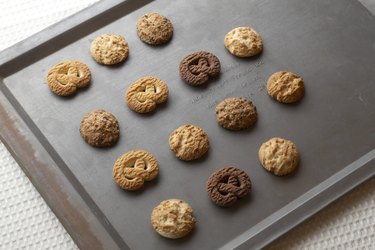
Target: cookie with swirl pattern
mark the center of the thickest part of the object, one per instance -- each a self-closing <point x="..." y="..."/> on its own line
<point x="143" y="95"/>
<point x="66" y="77"/>
<point x="134" y="168"/>
<point x="197" y="68"/>
<point x="227" y="185"/>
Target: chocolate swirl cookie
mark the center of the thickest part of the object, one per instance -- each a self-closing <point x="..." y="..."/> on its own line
<point x="198" y="67"/>
<point x="227" y="185"/>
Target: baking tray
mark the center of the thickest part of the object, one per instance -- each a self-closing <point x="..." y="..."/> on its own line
<point x="329" y="43"/>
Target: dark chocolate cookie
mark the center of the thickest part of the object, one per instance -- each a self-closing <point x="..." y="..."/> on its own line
<point x="198" y="67"/>
<point x="100" y="128"/>
<point x="227" y="185"/>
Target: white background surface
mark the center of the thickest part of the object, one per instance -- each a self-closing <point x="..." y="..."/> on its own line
<point x="26" y="222"/>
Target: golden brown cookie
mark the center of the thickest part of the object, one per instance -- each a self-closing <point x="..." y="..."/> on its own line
<point x="279" y="156"/>
<point x="109" y="49"/>
<point x="100" y="128"/>
<point x="144" y="94"/>
<point x="133" y="168"/>
<point x="64" y="78"/>
<point x="243" y="42"/>
<point x="173" y="218"/>
<point x="188" y="142"/>
<point x="236" y="113"/>
<point x="285" y="87"/>
<point x="154" y="29"/>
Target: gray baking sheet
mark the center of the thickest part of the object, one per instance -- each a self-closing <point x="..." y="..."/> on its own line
<point x="331" y="44"/>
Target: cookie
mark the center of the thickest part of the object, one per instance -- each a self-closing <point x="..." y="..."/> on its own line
<point x="100" y="128"/>
<point x="109" y="49"/>
<point x="285" y="87"/>
<point x="133" y="168"/>
<point x="197" y="68"/>
<point x="144" y="94"/>
<point x="227" y="185"/>
<point x="66" y="77"/>
<point x="173" y="218"/>
<point x="236" y="113"/>
<point x="279" y="156"/>
<point x="154" y="29"/>
<point x="243" y="42"/>
<point x="188" y="142"/>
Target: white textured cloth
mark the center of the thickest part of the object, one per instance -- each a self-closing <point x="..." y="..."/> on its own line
<point x="26" y="222"/>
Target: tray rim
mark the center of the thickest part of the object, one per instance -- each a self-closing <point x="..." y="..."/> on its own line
<point x="11" y="121"/>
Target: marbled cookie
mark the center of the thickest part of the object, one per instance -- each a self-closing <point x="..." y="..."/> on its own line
<point x="100" y="128"/>
<point x="154" y="29"/>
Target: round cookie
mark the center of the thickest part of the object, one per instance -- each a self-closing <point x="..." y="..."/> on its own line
<point x="100" y="128"/>
<point x="189" y="142"/>
<point x="285" y="87"/>
<point x="109" y="49"/>
<point x="279" y="156"/>
<point x="66" y="77"/>
<point x="154" y="29"/>
<point x="227" y="185"/>
<point x="173" y="218"/>
<point x="197" y="68"/>
<point x="243" y="42"/>
<point x="144" y="94"/>
<point x="133" y="168"/>
<point x="236" y="113"/>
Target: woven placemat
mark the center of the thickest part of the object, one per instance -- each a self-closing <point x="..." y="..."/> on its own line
<point x="26" y="222"/>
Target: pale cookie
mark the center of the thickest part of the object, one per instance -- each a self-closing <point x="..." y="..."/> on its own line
<point x="154" y="29"/>
<point x="100" y="128"/>
<point x="198" y="67"/>
<point x="279" y="156"/>
<point x="133" y="168"/>
<point x="243" y="42"/>
<point x="285" y="87"/>
<point x="144" y="94"/>
<point x="64" y="78"/>
<point x="188" y="142"/>
<point x="173" y="218"/>
<point x="109" y="49"/>
<point x="236" y="113"/>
